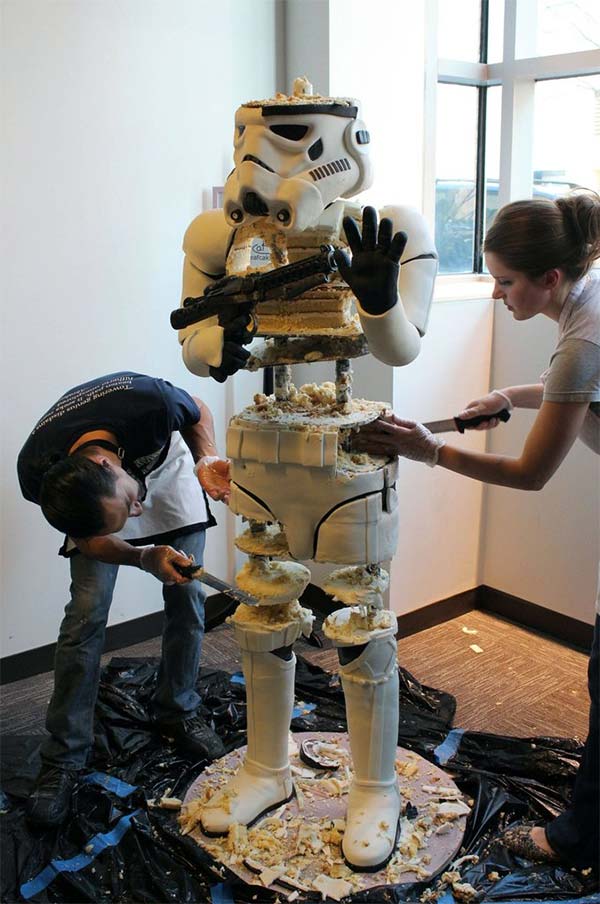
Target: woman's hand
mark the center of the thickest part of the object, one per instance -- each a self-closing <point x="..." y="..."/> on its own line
<point x="489" y="404"/>
<point x="390" y="435"/>
<point x="214" y="475"/>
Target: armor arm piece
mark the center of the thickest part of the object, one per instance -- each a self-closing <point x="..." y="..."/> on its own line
<point x="392" y="338"/>
<point x="205" y="245"/>
<point x="418" y="265"/>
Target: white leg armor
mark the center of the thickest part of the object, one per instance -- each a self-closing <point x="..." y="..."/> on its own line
<point x="370" y="685"/>
<point x="264" y="780"/>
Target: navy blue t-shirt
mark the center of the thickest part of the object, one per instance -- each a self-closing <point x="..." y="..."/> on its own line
<point x="141" y="411"/>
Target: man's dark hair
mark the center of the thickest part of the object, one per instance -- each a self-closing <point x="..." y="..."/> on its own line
<point x="71" y="495"/>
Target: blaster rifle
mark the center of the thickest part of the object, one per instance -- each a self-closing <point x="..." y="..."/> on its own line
<point x="286" y="283"/>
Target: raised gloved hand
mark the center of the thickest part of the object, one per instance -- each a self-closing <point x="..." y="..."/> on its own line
<point x="214" y="475"/>
<point x="390" y="435"/>
<point x="158" y="560"/>
<point x="491" y="403"/>
<point x="373" y="272"/>
<point x="236" y="334"/>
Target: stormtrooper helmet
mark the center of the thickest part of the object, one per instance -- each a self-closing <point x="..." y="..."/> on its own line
<point x="293" y="156"/>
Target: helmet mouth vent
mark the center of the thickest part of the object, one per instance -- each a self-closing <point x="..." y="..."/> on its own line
<point x="250" y="158"/>
<point x="254" y="205"/>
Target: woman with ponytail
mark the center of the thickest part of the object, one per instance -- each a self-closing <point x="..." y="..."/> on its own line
<point x="540" y="254"/>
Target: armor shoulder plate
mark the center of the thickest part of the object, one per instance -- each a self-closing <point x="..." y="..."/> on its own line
<point x="206" y="242"/>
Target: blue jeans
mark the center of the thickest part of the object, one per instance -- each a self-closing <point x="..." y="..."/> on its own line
<point x="70" y="716"/>
<point x="575" y="834"/>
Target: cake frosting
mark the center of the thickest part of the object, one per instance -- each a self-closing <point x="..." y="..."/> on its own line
<point x="273" y="582"/>
<point x="358" y="585"/>
<point x="270" y="541"/>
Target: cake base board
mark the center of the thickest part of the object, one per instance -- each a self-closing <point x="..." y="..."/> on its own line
<point x="306" y="350"/>
<point x="363" y="413"/>
<point x="314" y="805"/>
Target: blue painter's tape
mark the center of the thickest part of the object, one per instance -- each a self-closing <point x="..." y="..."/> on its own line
<point x="590" y="899"/>
<point x="95" y="846"/>
<point x="301" y="709"/>
<point x="118" y="787"/>
<point x="221" y="893"/>
<point x="449" y="746"/>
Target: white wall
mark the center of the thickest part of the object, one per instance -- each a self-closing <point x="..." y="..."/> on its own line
<point x="540" y="546"/>
<point x="440" y="512"/>
<point x="118" y="121"/>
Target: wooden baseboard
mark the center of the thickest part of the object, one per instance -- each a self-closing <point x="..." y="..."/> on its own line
<point x="563" y="628"/>
<point x="437" y="613"/>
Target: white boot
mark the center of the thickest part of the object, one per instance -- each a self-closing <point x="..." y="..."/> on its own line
<point x="264" y="780"/>
<point x="370" y="685"/>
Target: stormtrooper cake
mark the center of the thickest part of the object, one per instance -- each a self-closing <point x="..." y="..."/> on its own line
<point x="299" y="160"/>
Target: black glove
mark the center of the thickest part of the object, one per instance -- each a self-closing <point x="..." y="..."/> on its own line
<point x="373" y="272"/>
<point x="237" y="333"/>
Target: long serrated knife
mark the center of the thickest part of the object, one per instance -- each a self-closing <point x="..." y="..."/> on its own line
<point x="197" y="573"/>
<point x="462" y="424"/>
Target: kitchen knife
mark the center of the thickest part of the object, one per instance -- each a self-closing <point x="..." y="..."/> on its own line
<point x="462" y="424"/>
<point x="197" y="573"/>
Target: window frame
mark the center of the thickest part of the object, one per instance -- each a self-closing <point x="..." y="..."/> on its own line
<point x="516" y="75"/>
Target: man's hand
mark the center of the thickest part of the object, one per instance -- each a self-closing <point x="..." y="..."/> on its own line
<point x="158" y="560"/>
<point x="373" y="273"/>
<point x="491" y="403"/>
<point x="390" y="435"/>
<point x="214" y="475"/>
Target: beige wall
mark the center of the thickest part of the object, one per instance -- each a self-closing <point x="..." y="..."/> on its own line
<point x="118" y="121"/>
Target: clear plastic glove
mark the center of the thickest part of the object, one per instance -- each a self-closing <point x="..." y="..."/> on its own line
<point x="489" y="404"/>
<point x="373" y="272"/>
<point x="158" y="560"/>
<point x="214" y="475"/>
<point x="390" y="435"/>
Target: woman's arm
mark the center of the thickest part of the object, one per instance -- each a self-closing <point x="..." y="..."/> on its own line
<point x="529" y="396"/>
<point x="555" y="430"/>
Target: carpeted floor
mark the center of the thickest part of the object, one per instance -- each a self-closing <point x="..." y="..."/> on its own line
<point x="522" y="683"/>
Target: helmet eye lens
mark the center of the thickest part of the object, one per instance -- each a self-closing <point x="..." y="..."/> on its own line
<point x="291" y="131"/>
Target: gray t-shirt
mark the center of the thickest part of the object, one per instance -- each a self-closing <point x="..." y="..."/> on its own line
<point x="574" y="371"/>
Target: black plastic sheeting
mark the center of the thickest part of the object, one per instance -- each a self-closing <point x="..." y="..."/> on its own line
<point x="114" y="848"/>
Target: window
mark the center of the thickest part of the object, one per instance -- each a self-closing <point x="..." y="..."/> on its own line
<point x="513" y="83"/>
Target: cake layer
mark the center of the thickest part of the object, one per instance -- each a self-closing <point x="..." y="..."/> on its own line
<point x="357" y="586"/>
<point x="273" y="582"/>
<point x="271" y="541"/>
<point x="305" y="349"/>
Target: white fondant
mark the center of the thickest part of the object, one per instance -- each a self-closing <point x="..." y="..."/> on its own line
<point x="328" y="511"/>
<point x="370" y="685"/>
<point x="203" y="348"/>
<point x="205" y="243"/>
<point x="294" y="188"/>
<point x="392" y="338"/>
<point x="264" y="780"/>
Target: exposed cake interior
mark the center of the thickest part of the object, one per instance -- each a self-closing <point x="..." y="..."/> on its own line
<point x="273" y="582"/>
<point x="356" y="585"/>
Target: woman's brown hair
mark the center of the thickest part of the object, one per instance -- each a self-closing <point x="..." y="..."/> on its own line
<point x="542" y="234"/>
